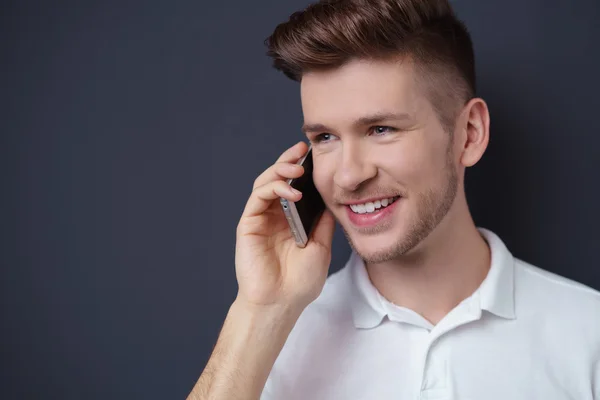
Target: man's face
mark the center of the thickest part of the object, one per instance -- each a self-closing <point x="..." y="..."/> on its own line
<point x="361" y="162"/>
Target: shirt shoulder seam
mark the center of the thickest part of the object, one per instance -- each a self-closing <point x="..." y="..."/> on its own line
<point x="558" y="279"/>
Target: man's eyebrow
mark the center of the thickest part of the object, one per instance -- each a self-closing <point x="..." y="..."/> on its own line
<point x="362" y="121"/>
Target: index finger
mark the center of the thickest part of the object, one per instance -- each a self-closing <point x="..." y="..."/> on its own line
<point x="291" y="155"/>
<point x="294" y="153"/>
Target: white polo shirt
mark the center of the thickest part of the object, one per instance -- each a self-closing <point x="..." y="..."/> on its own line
<point x="524" y="334"/>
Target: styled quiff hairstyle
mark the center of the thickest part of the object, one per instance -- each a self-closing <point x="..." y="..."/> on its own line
<point x="330" y="33"/>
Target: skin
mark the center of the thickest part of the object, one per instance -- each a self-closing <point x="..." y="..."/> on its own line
<point x="276" y="281"/>
<point x="428" y="256"/>
<point x="430" y="244"/>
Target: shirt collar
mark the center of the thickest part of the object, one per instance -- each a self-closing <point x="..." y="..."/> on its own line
<point x="496" y="292"/>
<point x="367" y="310"/>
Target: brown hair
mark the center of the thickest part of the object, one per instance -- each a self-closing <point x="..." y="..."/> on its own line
<point x="330" y="33"/>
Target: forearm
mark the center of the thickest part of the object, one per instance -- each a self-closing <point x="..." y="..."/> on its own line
<point x="249" y="343"/>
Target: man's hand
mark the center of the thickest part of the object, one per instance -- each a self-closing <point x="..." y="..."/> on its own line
<point x="271" y="269"/>
<point x="277" y="280"/>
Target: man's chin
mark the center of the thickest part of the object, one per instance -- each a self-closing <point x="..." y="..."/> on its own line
<point x="375" y="248"/>
<point x="380" y="255"/>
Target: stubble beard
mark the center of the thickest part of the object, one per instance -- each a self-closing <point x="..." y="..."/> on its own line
<point x="433" y="205"/>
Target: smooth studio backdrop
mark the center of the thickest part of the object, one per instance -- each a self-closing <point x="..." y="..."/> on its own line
<point x="131" y="133"/>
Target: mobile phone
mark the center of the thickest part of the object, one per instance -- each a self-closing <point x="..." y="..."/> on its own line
<point x="303" y="214"/>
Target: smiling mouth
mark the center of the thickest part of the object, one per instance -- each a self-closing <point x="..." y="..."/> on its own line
<point x="372" y="207"/>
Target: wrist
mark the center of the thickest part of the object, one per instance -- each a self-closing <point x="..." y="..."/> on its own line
<point x="269" y="315"/>
<point x="257" y="333"/>
<point x="250" y="341"/>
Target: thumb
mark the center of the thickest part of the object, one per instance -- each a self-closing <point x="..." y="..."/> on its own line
<point x="323" y="232"/>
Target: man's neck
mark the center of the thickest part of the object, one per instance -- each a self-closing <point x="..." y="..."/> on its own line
<point x="443" y="270"/>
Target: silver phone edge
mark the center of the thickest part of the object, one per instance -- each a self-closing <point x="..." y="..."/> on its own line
<point x="293" y="218"/>
<point x="291" y="212"/>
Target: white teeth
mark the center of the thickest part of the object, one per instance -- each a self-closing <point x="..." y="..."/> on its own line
<point x="372" y="206"/>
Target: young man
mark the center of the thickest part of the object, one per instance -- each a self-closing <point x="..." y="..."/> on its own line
<point x="429" y="306"/>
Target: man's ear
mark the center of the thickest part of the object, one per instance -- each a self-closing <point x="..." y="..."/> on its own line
<point x="473" y="131"/>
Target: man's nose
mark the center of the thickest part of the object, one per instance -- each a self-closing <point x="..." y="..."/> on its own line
<point x="354" y="167"/>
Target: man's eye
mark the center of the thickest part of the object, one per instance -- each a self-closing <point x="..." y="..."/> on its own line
<point x="382" y="130"/>
<point x="323" y="137"/>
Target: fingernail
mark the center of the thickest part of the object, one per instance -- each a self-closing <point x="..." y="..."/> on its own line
<point x="295" y="191"/>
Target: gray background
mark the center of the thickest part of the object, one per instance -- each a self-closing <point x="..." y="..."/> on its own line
<point x="132" y="132"/>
